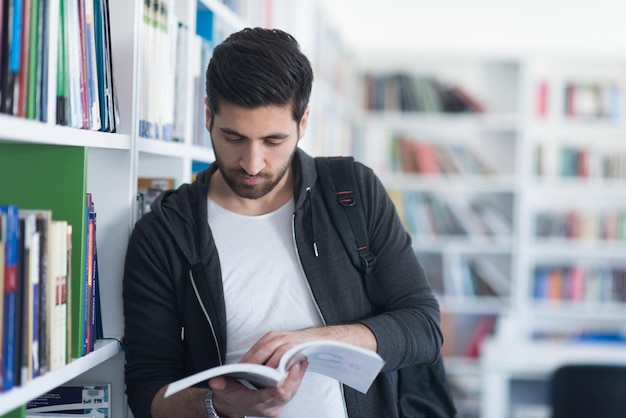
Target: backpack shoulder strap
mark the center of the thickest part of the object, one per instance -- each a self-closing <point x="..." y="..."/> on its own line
<point x="343" y="200"/>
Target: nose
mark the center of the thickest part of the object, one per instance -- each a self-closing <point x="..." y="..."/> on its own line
<point x="253" y="160"/>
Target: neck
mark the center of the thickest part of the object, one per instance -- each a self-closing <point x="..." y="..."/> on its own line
<point x="223" y="195"/>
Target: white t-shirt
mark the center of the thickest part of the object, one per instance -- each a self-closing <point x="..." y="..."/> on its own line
<point x="265" y="290"/>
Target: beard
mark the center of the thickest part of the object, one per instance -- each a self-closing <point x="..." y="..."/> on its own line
<point x="256" y="191"/>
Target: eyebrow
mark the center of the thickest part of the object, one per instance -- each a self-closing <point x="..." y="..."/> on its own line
<point x="277" y="135"/>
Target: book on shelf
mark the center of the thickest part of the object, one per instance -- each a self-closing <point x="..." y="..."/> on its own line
<point x="413" y="155"/>
<point x="158" y="32"/>
<point x="62" y="80"/>
<point x="73" y="400"/>
<point x="542" y="90"/>
<point x="351" y="365"/>
<point x="91" y="64"/>
<point x="58" y="293"/>
<point x="483" y="329"/>
<point x="2" y="267"/>
<point x="50" y="57"/>
<point x="10" y="234"/>
<point x="35" y="64"/>
<point x="488" y="278"/>
<point x="21" y="92"/>
<point x="49" y="69"/>
<point x="12" y="53"/>
<point x="149" y="188"/>
<point x="416" y="93"/>
<point x="30" y="263"/>
<point x="586" y="286"/>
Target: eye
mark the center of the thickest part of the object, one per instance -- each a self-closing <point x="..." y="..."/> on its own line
<point x="273" y="142"/>
<point x="233" y="139"/>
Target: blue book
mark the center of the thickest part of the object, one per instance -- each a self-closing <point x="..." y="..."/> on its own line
<point x="10" y="219"/>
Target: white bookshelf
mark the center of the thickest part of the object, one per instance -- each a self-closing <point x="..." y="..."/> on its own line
<point x="507" y="135"/>
<point x="116" y="161"/>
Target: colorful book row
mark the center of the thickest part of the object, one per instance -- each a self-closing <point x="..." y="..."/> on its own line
<point x="466" y="277"/>
<point x="579" y="284"/>
<point x="171" y="52"/>
<point x="413" y="93"/>
<point x="584" y="100"/>
<point x="428" y="215"/>
<point x="412" y="155"/>
<point x="606" y="226"/>
<point x="38" y="320"/>
<point x="56" y="64"/>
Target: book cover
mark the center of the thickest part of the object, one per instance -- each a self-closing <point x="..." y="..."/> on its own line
<point x="2" y="39"/>
<point x="83" y="63"/>
<point x="70" y="286"/>
<point x="104" y="72"/>
<point x="63" y="165"/>
<point x="9" y="360"/>
<point x="57" y="294"/>
<point x="62" y="81"/>
<point x="34" y="61"/>
<point x="74" y="66"/>
<point x="92" y="81"/>
<point x="351" y="365"/>
<point x="2" y="251"/>
<point x="22" y="84"/>
<point x="74" y="398"/>
<point x="50" y="62"/>
<point x="43" y="218"/>
<point x="13" y="55"/>
<point x="30" y="308"/>
<point x="90" y="293"/>
<point x="87" y="275"/>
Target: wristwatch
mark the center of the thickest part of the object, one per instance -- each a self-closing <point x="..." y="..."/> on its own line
<point x="208" y="403"/>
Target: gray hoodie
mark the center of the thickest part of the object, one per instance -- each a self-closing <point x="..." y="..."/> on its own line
<point x="175" y="321"/>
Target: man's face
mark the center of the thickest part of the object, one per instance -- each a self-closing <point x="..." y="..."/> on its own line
<point x="254" y="147"/>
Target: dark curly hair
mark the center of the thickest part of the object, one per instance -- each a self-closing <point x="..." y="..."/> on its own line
<point x="259" y="67"/>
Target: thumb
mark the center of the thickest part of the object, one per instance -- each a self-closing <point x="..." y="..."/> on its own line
<point x="218" y="383"/>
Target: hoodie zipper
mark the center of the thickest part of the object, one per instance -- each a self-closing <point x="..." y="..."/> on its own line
<point x="308" y="285"/>
<point x="295" y="245"/>
<point x="206" y="314"/>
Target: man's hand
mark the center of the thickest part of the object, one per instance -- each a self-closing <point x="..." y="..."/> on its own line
<point x="270" y="348"/>
<point x="231" y="398"/>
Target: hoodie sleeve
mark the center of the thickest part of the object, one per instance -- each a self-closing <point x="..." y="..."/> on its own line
<point x="152" y="329"/>
<point x="408" y="331"/>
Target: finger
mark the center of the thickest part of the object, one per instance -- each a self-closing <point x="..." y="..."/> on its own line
<point x="264" y="349"/>
<point x="218" y="383"/>
<point x="294" y="378"/>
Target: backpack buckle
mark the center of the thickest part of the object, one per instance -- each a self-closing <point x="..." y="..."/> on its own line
<point x="368" y="260"/>
<point x="346" y="198"/>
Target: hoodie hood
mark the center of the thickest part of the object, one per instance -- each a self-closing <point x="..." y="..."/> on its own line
<point x="183" y="211"/>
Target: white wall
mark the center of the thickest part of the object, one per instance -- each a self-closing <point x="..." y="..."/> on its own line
<point x="481" y="26"/>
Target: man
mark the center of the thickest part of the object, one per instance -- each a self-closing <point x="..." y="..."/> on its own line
<point x="245" y="262"/>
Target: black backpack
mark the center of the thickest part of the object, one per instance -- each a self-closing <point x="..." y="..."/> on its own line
<point x="423" y="390"/>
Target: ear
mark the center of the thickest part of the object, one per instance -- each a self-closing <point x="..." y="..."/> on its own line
<point x="304" y="121"/>
<point x="207" y="113"/>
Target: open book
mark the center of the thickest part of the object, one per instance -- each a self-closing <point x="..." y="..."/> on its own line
<point x="351" y="365"/>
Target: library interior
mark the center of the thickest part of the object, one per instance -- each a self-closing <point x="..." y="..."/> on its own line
<point x="498" y="129"/>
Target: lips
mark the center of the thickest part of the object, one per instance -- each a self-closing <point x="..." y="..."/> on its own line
<point x="251" y="180"/>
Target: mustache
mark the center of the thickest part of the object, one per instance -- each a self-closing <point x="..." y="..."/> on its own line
<point x="244" y="173"/>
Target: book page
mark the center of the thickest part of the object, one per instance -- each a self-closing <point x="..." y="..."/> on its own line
<point x="254" y="373"/>
<point x="351" y="365"/>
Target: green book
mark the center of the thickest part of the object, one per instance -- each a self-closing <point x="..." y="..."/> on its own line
<point x="16" y="413"/>
<point x="34" y="61"/>
<point x="53" y="177"/>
